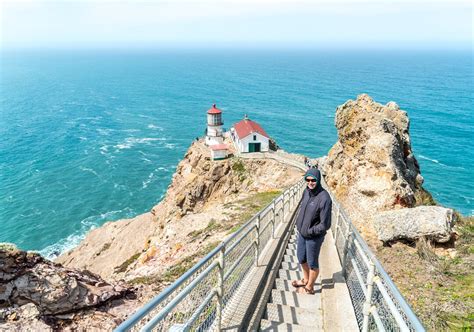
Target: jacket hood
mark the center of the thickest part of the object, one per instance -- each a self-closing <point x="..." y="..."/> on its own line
<point x="315" y="173"/>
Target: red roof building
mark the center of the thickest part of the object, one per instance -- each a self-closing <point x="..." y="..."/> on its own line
<point x="246" y="127"/>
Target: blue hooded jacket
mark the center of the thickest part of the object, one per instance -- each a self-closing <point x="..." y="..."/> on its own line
<point x="314" y="216"/>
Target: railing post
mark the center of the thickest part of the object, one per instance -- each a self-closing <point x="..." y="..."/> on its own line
<point x="368" y="300"/>
<point x="220" y="288"/>
<point x="283" y="208"/>
<point x="257" y="239"/>
<point x="273" y="218"/>
<point x="338" y="216"/>
<point x="346" y="249"/>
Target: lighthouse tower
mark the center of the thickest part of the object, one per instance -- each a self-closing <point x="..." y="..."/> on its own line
<point x="214" y="132"/>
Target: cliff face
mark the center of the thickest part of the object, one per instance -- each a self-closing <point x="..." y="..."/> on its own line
<point x="372" y="162"/>
<point x="203" y="194"/>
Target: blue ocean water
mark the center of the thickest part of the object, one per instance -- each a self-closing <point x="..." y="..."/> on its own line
<point x="93" y="136"/>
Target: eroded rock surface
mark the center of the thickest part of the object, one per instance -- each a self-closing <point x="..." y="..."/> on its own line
<point x="431" y="222"/>
<point x="372" y="167"/>
<point x="32" y="288"/>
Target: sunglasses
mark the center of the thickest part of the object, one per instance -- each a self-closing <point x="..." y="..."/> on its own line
<point x="311" y="180"/>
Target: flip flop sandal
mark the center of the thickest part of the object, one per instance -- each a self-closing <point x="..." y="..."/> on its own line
<point x="307" y="291"/>
<point x="298" y="283"/>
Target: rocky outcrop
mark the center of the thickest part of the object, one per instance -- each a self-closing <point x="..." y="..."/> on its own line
<point x="199" y="192"/>
<point x="32" y="287"/>
<point x="430" y="222"/>
<point x="372" y="167"/>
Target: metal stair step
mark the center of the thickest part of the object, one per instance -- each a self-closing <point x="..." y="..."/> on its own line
<point x="291" y="266"/>
<point x="290" y="252"/>
<point x="294" y="299"/>
<point x="283" y="284"/>
<point x="293" y="315"/>
<point x="290" y="259"/>
<point x="290" y="275"/>
<point x="268" y="325"/>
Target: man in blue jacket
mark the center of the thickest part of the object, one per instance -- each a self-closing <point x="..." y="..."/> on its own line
<point x="313" y="221"/>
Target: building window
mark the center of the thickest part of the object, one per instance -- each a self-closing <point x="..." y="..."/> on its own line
<point x="254" y="137"/>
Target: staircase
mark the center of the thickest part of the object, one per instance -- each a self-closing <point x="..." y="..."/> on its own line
<point x="287" y="310"/>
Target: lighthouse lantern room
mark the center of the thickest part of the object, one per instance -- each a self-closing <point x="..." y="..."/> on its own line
<point x="214" y="132"/>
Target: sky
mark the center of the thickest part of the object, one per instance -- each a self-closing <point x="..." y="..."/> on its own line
<point x="439" y="24"/>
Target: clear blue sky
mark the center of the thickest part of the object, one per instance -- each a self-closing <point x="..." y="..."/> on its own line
<point x="244" y="23"/>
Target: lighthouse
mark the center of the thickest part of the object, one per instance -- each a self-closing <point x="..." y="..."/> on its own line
<point x="214" y="132"/>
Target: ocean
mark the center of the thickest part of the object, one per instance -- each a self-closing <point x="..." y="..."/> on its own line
<point x="91" y="136"/>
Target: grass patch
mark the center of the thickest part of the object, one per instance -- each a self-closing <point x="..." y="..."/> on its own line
<point x="212" y="226"/>
<point x="249" y="206"/>
<point x="123" y="267"/>
<point x="176" y="270"/>
<point x="238" y="166"/>
<point x="439" y="288"/>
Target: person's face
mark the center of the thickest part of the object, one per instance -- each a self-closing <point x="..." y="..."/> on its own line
<point x="311" y="182"/>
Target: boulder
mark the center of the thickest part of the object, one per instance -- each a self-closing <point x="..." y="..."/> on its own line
<point x="432" y="222"/>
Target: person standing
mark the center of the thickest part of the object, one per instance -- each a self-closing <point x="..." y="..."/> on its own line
<point x="312" y="223"/>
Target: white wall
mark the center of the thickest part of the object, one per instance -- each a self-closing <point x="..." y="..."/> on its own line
<point x="244" y="143"/>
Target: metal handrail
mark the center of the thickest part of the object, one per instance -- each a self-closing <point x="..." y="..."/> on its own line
<point x="250" y="232"/>
<point x="381" y="296"/>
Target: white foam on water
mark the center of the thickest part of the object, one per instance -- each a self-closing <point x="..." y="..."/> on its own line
<point x="147" y="181"/>
<point x="152" y="126"/>
<point x="88" y="224"/>
<point x="170" y="146"/>
<point x="438" y="162"/>
<point x="90" y="170"/>
<point x="132" y="141"/>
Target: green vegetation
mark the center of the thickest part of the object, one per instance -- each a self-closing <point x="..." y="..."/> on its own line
<point x="423" y="197"/>
<point x="7" y="246"/>
<point x="447" y="302"/>
<point x="212" y="226"/>
<point x="123" y="267"/>
<point x="176" y="270"/>
<point x="249" y="206"/>
<point x="104" y="248"/>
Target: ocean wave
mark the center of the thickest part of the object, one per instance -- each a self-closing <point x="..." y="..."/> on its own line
<point x="152" y="126"/>
<point x="170" y="146"/>
<point x="132" y="141"/>
<point x="438" y="162"/>
<point x="148" y="181"/>
<point x="90" y="170"/>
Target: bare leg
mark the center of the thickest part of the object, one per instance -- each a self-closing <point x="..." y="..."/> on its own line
<point x="306" y="271"/>
<point x="313" y="275"/>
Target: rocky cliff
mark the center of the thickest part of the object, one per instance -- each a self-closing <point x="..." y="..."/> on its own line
<point x="372" y="168"/>
<point x="203" y="195"/>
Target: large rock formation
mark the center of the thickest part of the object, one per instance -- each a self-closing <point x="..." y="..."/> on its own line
<point x="33" y="288"/>
<point x="199" y="193"/>
<point x="372" y="167"/>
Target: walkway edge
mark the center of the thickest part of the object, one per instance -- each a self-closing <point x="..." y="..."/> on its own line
<point x="336" y="296"/>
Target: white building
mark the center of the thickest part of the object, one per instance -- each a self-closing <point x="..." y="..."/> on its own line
<point x="249" y="136"/>
<point x="218" y="151"/>
<point x="214" y="132"/>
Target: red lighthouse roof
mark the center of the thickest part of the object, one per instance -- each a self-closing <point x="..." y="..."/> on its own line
<point x="214" y="110"/>
<point x="246" y="126"/>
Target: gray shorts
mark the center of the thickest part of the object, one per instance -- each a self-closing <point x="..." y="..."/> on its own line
<point x="307" y="250"/>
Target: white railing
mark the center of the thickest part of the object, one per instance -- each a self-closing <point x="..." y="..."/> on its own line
<point x="197" y="300"/>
